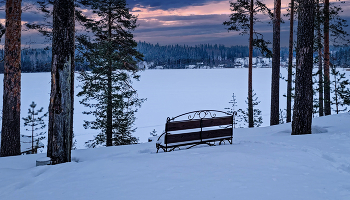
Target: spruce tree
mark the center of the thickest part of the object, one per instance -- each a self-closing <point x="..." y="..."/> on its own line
<point x="36" y="124"/>
<point x="243" y="115"/>
<point x="232" y="110"/>
<point x="111" y="55"/>
<point x="341" y="90"/>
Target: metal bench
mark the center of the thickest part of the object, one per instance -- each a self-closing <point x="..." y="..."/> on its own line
<point x="201" y="127"/>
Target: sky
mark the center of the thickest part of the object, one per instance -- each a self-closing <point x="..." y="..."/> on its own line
<point x="199" y="21"/>
<point x="189" y="22"/>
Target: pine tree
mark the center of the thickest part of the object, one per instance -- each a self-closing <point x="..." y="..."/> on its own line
<point x="319" y="46"/>
<point x="290" y="63"/>
<point x="302" y="113"/>
<point x="340" y="88"/>
<point x="327" y="92"/>
<point x="36" y="123"/>
<point x="275" y="82"/>
<point x="317" y="103"/>
<point x="10" y="134"/>
<point x="60" y="128"/>
<point x="327" y="16"/>
<point x="243" y="115"/>
<point x="242" y="19"/>
<point x="2" y="31"/>
<point x="232" y="110"/>
<point x="282" y="116"/>
<point x="111" y="54"/>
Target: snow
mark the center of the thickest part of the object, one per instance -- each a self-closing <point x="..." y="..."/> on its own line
<point x="26" y="143"/>
<point x="264" y="163"/>
<point x="169" y="93"/>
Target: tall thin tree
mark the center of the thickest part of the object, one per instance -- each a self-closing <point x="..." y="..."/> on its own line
<point x="243" y="20"/>
<point x="275" y="83"/>
<point x="290" y="63"/>
<point x="250" y="73"/>
<point x="320" y="56"/>
<point x="303" y="103"/>
<point x="327" y="88"/>
<point x="62" y="83"/>
<point x="10" y="134"/>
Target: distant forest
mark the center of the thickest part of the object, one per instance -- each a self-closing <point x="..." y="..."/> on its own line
<point x="178" y="56"/>
<point x="173" y="56"/>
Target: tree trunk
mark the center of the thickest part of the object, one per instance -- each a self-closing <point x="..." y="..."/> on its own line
<point x="62" y="83"/>
<point x="109" y="129"/>
<point x="32" y="130"/>
<point x="327" y="92"/>
<point x="10" y="135"/>
<point x="275" y="83"/>
<point x="320" y="73"/>
<point x="290" y="63"/>
<point x="250" y="73"/>
<point x="303" y="104"/>
<point x="336" y="94"/>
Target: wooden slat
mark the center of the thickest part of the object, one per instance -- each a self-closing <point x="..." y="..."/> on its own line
<point x="216" y="133"/>
<point x="185" y="137"/>
<point x="191" y="124"/>
<point x="218" y="121"/>
<point x="183" y="125"/>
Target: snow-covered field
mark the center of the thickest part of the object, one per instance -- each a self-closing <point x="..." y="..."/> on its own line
<point x="263" y="163"/>
<point x="169" y="93"/>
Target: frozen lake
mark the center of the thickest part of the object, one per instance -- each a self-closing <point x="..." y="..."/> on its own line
<point x="169" y="93"/>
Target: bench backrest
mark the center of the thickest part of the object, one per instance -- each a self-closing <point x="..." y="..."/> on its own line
<point x="198" y="135"/>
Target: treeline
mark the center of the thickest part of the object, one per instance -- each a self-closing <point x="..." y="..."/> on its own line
<point x="172" y="56"/>
<point x="178" y="56"/>
<point x="32" y="60"/>
<point x="36" y="60"/>
<point x="341" y="57"/>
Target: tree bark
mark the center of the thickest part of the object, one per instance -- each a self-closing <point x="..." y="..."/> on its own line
<point x="290" y="63"/>
<point x="33" y="130"/>
<point x="250" y="73"/>
<point x="320" y="73"/>
<point x="327" y="93"/>
<point x="303" y="104"/>
<point x="275" y="83"/>
<point x="109" y="129"/>
<point x="10" y="134"/>
<point x="62" y="83"/>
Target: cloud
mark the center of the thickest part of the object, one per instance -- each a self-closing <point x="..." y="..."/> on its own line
<point x="168" y="4"/>
<point x="188" y="22"/>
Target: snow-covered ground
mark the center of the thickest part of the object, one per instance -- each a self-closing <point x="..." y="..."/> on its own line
<point x="264" y="163"/>
<point x="169" y="93"/>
